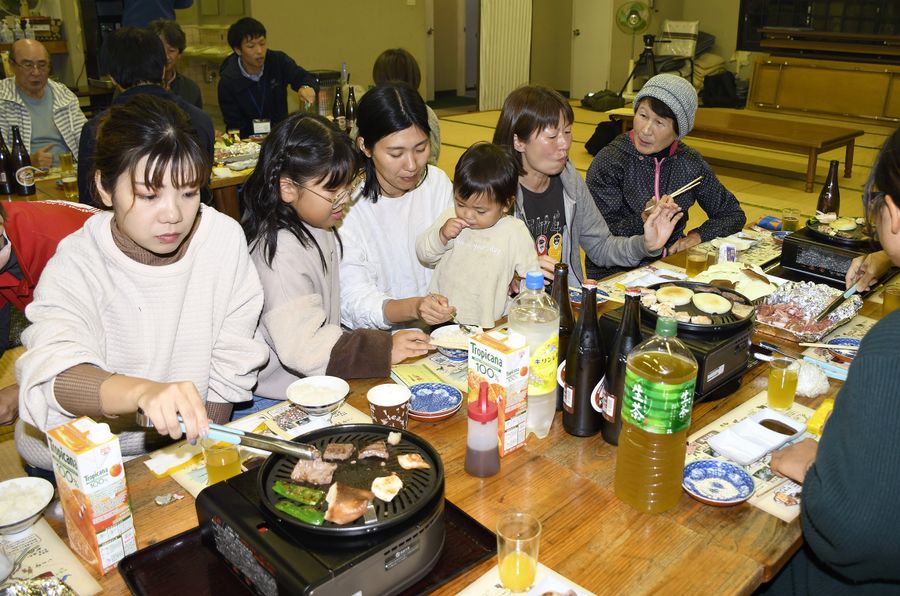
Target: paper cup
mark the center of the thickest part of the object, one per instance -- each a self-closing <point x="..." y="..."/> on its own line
<point x="389" y="404"/>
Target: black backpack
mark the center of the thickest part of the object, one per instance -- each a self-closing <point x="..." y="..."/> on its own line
<point x="603" y="136"/>
<point x="720" y="91"/>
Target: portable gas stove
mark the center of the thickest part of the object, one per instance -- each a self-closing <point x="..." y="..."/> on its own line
<point x="722" y="355"/>
<point x="275" y="554"/>
<point x="808" y="255"/>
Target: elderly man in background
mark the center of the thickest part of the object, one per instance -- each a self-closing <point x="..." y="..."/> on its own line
<point x="47" y="113"/>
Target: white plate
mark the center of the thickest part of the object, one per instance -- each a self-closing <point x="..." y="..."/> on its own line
<point x="740" y="244"/>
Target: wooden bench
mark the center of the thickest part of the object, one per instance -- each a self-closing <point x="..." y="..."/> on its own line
<point x="757" y="130"/>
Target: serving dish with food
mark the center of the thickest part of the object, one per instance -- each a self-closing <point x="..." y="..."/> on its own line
<point x="790" y="311"/>
<point x="848" y="231"/>
<point x="453" y="341"/>
<point x="22" y="502"/>
<point x="698" y="307"/>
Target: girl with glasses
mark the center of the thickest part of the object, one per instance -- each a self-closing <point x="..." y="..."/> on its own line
<point x="292" y="203"/>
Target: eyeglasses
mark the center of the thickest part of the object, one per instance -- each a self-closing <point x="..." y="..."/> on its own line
<point x="336" y="201"/>
<point x="29" y="65"/>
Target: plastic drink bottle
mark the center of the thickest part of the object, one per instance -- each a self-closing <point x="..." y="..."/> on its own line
<point x="660" y="377"/>
<point x="535" y="315"/>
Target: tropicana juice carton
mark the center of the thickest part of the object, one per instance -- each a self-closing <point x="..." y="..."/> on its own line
<point x="501" y="358"/>
<point x="90" y="477"/>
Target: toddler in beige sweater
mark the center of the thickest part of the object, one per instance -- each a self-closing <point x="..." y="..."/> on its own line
<point x="477" y="249"/>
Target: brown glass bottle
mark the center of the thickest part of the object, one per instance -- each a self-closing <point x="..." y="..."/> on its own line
<point x="337" y="110"/>
<point x="351" y="107"/>
<point x="6" y="173"/>
<point x="23" y="175"/>
<point x="560" y="292"/>
<point x="627" y="336"/>
<point x="830" y="197"/>
<point x="585" y="365"/>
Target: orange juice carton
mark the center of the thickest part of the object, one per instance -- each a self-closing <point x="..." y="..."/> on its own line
<point x="90" y="477"/>
<point x="501" y="358"/>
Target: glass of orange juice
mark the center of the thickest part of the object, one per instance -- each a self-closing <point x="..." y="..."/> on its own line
<point x="518" y="539"/>
<point x="223" y="460"/>
<point x="782" y="383"/>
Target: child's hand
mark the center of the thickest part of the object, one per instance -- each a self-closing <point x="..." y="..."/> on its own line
<point x="163" y="402"/>
<point x="409" y="343"/>
<point x="452" y="228"/>
<point x="435" y="309"/>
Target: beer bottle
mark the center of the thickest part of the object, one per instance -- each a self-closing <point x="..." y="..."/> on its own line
<point x="584" y="370"/>
<point x="351" y="108"/>
<point x="337" y="110"/>
<point x="830" y="197"/>
<point x="560" y="292"/>
<point x="6" y="173"/>
<point x="23" y="175"/>
<point x="627" y="336"/>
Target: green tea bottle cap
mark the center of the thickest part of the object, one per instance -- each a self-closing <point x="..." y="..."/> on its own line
<point x="666" y="327"/>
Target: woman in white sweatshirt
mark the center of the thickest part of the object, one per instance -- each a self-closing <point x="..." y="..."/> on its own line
<point x="151" y="305"/>
<point x="383" y="284"/>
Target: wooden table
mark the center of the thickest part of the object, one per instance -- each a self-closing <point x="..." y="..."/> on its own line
<point x="589" y="535"/>
<point x="225" y="194"/>
<point x="770" y="133"/>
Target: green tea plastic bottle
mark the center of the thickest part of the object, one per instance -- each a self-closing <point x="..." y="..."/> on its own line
<point x="660" y="376"/>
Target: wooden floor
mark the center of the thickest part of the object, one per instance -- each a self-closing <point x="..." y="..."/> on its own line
<point x="764" y="181"/>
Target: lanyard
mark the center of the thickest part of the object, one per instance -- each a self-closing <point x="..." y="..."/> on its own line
<point x="262" y="103"/>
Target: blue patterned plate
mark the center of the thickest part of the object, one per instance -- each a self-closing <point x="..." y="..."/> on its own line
<point x="717" y="482"/>
<point x="779" y="237"/>
<point x="434" y="398"/>
<point x="844" y="356"/>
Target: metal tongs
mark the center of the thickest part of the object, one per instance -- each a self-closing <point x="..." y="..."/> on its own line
<point x="236" y="436"/>
<point x="836" y="303"/>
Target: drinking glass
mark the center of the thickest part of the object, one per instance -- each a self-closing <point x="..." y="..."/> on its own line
<point x="790" y="219"/>
<point x="890" y="300"/>
<point x="223" y="460"/>
<point x="518" y="539"/>
<point x="696" y="261"/>
<point x="782" y="383"/>
<point x="68" y="177"/>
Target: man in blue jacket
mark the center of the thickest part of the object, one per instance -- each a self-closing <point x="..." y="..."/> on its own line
<point x="252" y="81"/>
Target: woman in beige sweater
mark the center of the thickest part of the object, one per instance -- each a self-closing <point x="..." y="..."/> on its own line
<point x="293" y="200"/>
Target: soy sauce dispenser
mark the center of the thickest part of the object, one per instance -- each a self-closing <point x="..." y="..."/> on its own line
<point x="482" y="442"/>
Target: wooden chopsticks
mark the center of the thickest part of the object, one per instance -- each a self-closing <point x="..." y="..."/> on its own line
<point x="695" y="182"/>
<point x="835" y="347"/>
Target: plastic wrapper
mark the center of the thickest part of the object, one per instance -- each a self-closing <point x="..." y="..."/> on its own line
<point x="797" y="304"/>
<point x="811" y="380"/>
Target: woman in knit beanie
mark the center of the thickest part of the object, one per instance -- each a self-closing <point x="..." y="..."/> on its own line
<point x="649" y="162"/>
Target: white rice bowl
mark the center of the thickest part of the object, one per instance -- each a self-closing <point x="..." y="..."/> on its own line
<point x="22" y="502"/>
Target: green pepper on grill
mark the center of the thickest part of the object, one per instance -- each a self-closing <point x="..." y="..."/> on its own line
<point x="304" y="513"/>
<point x="296" y="492"/>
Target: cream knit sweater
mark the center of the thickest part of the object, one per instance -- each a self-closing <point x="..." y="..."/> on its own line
<point x="191" y="320"/>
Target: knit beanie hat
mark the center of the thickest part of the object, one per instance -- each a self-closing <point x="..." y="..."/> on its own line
<point x="677" y="93"/>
